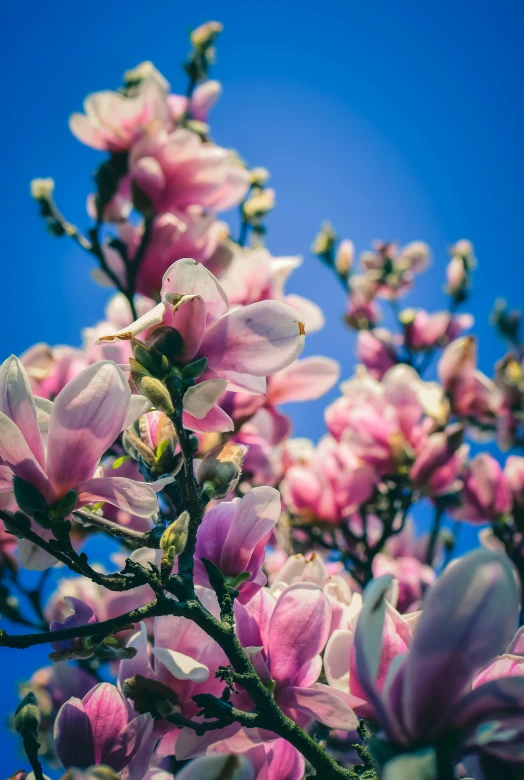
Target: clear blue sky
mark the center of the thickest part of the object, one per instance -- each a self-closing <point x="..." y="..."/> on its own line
<point x="394" y="120"/>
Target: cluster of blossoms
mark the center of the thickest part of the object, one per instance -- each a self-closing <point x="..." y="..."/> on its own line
<point x="273" y="612"/>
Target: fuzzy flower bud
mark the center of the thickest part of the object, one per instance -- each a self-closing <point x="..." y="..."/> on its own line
<point x="145" y="70"/>
<point x="259" y="176"/>
<point x="204" y="35"/>
<point x="174" y="539"/>
<point x="221" y="469"/>
<point x="344" y="257"/>
<point x="42" y="189"/>
<point x="152" y="388"/>
<point x="259" y="204"/>
<point x="324" y="242"/>
<point x="27" y="715"/>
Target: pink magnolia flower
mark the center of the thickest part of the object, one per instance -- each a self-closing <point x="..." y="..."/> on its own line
<point x="199" y="104"/>
<point x="384" y="422"/>
<point x="412" y="576"/>
<point x="233" y="535"/>
<point x="253" y="275"/>
<point x="363" y="311"/>
<point x="339" y="657"/>
<point x="485" y="494"/>
<point x="113" y="121"/>
<point x="439" y="463"/>
<point x="331" y="486"/>
<point x="376" y="351"/>
<point x="287" y="636"/>
<point x="469" y="617"/>
<point x="242" y="346"/>
<point x="101" y="728"/>
<point x="426" y="331"/>
<point x="83" y="421"/>
<point x="183" y="659"/>
<point x="393" y="268"/>
<point x="473" y="395"/>
<point x="173" y="236"/>
<point x="514" y="474"/>
<point x="276" y="760"/>
<point x="345" y="604"/>
<point x="176" y="170"/>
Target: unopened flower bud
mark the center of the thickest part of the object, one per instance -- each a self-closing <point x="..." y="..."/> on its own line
<point x="152" y="388"/>
<point x="42" y="189"/>
<point x="154" y="361"/>
<point x="204" y="35"/>
<point x="174" y="539"/>
<point x="324" y="242"/>
<point x="199" y="128"/>
<point x="344" y="257"/>
<point x="259" y="176"/>
<point x="221" y="469"/>
<point x="260" y="203"/>
<point x="27" y="715"/>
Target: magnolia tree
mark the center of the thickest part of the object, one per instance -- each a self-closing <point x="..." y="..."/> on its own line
<point x="273" y="613"/>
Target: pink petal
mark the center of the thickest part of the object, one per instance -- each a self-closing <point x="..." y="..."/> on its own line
<point x="15" y="452"/>
<point x="153" y="317"/>
<point x="215" y="420"/>
<point x="138" y="498"/>
<point x="255" y="515"/>
<point x="304" y="380"/>
<point x="17" y="402"/>
<point x="258" y="339"/>
<point x="200" y="399"/>
<point x="320" y="702"/>
<point x="298" y="630"/>
<point x="187" y="277"/>
<point x="107" y="713"/>
<point x="88" y="414"/>
<point x="213" y="767"/>
<point x="469" y="618"/>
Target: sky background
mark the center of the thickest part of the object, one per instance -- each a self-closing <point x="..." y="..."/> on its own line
<point x="395" y="121"/>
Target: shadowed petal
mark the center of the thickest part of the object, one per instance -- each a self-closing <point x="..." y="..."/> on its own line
<point x="138" y="498"/>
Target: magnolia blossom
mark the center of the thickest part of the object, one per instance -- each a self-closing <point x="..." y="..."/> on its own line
<point x="113" y="121"/>
<point x="486" y="494"/>
<point x="384" y="423"/>
<point x="56" y="446"/>
<point x="254" y="275"/>
<point x="376" y="351"/>
<point x="197" y="107"/>
<point x="180" y="663"/>
<point x="173" y="236"/>
<point x="331" y="485"/>
<point x="426" y="331"/>
<point x="345" y="604"/>
<point x="233" y="535"/>
<point x="468" y="618"/>
<point x="473" y="395"/>
<point x="176" y="170"/>
<point x="242" y="346"/>
<point x="101" y="729"/>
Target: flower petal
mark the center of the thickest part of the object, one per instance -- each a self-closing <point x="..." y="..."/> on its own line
<point x="138" y="498"/>
<point x="153" y="317"/>
<point x="213" y="767"/>
<point x="187" y="277"/>
<point x="107" y="712"/>
<point x="88" y="414"/>
<point x="255" y="515"/>
<point x="16" y="453"/>
<point x="258" y="339"/>
<point x="215" y="420"/>
<point x="138" y="405"/>
<point x="304" y="380"/>
<point x="200" y="399"/>
<point x="298" y="630"/>
<point x="18" y="403"/>
<point x="331" y="707"/>
<point x="336" y="659"/>
<point x="181" y="666"/>
<point x="73" y="735"/>
<point x="468" y="618"/>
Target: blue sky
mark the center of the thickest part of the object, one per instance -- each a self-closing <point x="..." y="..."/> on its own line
<point x="394" y="120"/>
